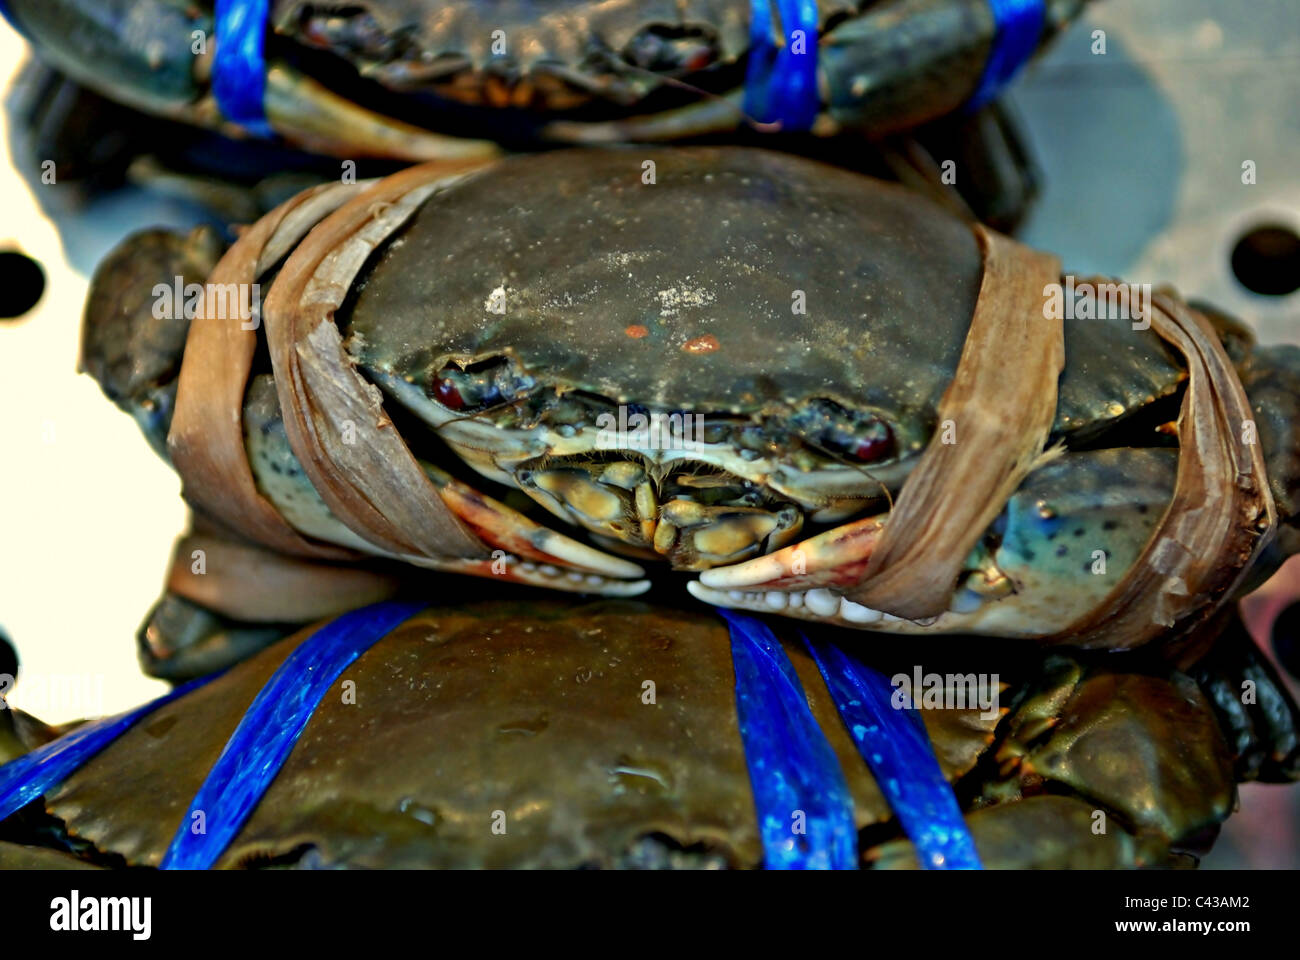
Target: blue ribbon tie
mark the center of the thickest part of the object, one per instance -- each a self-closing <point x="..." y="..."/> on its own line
<point x="1017" y="27"/>
<point x="896" y="747"/>
<point x="805" y="811"/>
<point x="804" y="807"/>
<point x="272" y="725"/>
<point x="780" y="82"/>
<point x="239" y="64"/>
<point x="33" y="774"/>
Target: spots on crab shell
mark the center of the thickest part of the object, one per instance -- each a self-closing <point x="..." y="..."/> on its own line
<point x="276" y="471"/>
<point x="1077" y="526"/>
<point x="705" y="344"/>
<point x="674" y="299"/>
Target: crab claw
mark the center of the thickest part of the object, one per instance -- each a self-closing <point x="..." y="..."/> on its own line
<point x="836" y="558"/>
<point x="513" y="569"/>
<point x="534" y="554"/>
<point x="802" y="580"/>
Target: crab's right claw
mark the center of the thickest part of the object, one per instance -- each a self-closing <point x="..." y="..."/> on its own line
<point x="531" y="553"/>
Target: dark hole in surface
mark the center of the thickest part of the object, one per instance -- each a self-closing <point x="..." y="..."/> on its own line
<point x="1267" y="260"/>
<point x="22" y="281"/>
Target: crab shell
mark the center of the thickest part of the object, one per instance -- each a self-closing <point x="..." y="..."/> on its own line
<point x="539" y="710"/>
<point x="585" y="251"/>
<point x="605" y="287"/>
<point x="881" y="66"/>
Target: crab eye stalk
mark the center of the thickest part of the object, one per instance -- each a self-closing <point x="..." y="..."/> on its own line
<point x="480" y="386"/>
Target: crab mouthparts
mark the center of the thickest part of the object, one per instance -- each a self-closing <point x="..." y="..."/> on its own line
<point x="696" y="517"/>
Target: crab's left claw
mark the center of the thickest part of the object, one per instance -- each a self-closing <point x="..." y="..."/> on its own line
<point x="802" y="580"/>
<point x="836" y="558"/>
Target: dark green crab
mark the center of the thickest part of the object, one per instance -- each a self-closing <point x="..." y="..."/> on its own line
<point x="377" y="78"/>
<point x="535" y="716"/>
<point x="798" y="324"/>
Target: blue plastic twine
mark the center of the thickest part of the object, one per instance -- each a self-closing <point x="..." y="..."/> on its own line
<point x="33" y="774"/>
<point x="271" y="726"/>
<point x="239" y="64"/>
<point x="1017" y="26"/>
<point x="805" y="811"/>
<point x="898" y="751"/>
<point x="781" y="82"/>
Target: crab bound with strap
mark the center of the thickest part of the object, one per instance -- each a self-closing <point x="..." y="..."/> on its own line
<point x="877" y="421"/>
<point x="757" y="745"/>
<point x="431" y="79"/>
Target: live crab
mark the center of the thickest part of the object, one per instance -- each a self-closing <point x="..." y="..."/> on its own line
<point x="533" y="712"/>
<point x="519" y="305"/>
<point x="422" y="79"/>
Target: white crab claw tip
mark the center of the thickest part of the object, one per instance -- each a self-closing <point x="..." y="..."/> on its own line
<point x="553" y="578"/>
<point x="747" y="574"/>
<point x="623" y="588"/>
<point x="716" y="597"/>
<point x="819" y="605"/>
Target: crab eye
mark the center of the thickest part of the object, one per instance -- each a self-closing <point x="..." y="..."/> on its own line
<point x="445" y="391"/>
<point x="873" y="441"/>
<point x="478" y="387"/>
<point x="851" y="435"/>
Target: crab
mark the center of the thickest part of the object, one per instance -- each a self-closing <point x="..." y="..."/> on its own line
<point x="798" y="323"/>
<point x="535" y="713"/>
<point x="379" y="77"/>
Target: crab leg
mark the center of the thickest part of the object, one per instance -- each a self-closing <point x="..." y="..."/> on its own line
<point x="305" y="112"/>
<point x="715" y="115"/>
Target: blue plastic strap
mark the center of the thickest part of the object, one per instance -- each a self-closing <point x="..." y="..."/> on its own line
<point x="1018" y="25"/>
<point x="271" y="726"/>
<point x="781" y="82"/>
<point x="31" y="775"/>
<point x="898" y="751"/>
<point x="805" y="811"/>
<point x="239" y="64"/>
